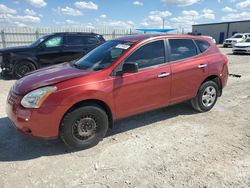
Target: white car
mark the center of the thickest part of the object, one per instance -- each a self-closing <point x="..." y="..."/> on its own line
<point x="238" y="37"/>
<point x="242" y="47"/>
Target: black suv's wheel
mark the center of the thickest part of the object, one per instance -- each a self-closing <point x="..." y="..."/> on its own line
<point x="84" y="127"/>
<point x="22" y="68"/>
<point x="206" y="97"/>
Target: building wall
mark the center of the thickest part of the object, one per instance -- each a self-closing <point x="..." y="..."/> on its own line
<point x="219" y="31"/>
<point x="240" y="27"/>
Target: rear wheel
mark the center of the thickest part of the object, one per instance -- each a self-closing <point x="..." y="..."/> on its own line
<point x="206" y="97"/>
<point x="22" y="68"/>
<point x="84" y="127"/>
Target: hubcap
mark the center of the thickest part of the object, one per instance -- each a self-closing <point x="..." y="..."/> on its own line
<point x="209" y="96"/>
<point x="22" y="70"/>
<point x="84" y="128"/>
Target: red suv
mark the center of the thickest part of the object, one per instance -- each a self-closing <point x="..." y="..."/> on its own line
<point x="122" y="77"/>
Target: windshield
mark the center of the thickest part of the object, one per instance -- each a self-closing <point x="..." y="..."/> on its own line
<point x="39" y="40"/>
<point x="237" y="36"/>
<point x="103" y="56"/>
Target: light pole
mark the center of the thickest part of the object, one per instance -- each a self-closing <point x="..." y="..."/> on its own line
<point x="163" y="23"/>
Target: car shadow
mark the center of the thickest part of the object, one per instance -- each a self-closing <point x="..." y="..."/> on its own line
<point x="17" y="147"/>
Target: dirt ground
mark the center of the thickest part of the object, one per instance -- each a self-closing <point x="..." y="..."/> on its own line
<point x="171" y="147"/>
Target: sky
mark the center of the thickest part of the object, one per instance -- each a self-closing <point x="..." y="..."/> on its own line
<point x="178" y="14"/>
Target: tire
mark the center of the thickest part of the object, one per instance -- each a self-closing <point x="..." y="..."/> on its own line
<point x="22" y="68"/>
<point x="206" y="97"/>
<point x="225" y="46"/>
<point x="84" y="127"/>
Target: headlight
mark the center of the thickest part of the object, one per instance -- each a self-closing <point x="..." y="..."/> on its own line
<point x="34" y="99"/>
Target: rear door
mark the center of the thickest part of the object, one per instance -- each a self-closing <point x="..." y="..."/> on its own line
<point x="189" y="69"/>
<point x="147" y="89"/>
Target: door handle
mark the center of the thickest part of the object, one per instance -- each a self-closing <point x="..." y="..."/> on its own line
<point x="202" y="66"/>
<point x="163" y="75"/>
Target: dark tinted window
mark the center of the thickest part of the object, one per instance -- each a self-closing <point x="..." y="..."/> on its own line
<point x="237" y="36"/>
<point x="181" y="49"/>
<point x="90" y="40"/>
<point x="80" y="40"/>
<point x="149" y="55"/>
<point x="203" y="45"/>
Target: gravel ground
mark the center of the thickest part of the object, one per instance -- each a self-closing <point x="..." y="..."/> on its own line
<point x="171" y="147"/>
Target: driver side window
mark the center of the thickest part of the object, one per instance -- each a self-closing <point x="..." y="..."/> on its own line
<point x="150" y="54"/>
<point x="53" y="42"/>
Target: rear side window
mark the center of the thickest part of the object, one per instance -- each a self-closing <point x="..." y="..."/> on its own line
<point x="80" y="40"/>
<point x="203" y="45"/>
<point x="90" y="40"/>
<point x="181" y="49"/>
<point x="150" y="54"/>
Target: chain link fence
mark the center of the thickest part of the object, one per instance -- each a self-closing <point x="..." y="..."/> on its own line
<point x="18" y="36"/>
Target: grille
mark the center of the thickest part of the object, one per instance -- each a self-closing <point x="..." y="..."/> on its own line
<point x="239" y="50"/>
<point x="12" y="98"/>
<point x="241" y="46"/>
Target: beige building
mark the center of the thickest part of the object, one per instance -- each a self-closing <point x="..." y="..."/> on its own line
<point x="223" y="30"/>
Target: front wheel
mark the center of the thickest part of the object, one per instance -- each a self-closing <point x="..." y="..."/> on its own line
<point x="22" y="68"/>
<point x="84" y="127"/>
<point x="206" y="97"/>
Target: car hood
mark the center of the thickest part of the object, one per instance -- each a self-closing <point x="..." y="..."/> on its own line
<point x="243" y="44"/>
<point x="15" y="49"/>
<point x="47" y="76"/>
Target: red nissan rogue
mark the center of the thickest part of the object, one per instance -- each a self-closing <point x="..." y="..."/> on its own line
<point x="79" y="101"/>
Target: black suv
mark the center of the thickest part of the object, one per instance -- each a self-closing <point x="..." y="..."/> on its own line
<point x="47" y="50"/>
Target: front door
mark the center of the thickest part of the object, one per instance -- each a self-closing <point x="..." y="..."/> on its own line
<point x="147" y="89"/>
<point x="50" y="51"/>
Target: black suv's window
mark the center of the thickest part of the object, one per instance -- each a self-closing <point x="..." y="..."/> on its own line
<point x="54" y="42"/>
<point x="181" y="49"/>
<point x="149" y="55"/>
<point x="90" y="40"/>
<point x="80" y="40"/>
<point x="203" y="45"/>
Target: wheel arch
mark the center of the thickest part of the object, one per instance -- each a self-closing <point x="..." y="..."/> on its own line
<point x="29" y="60"/>
<point x="94" y="102"/>
<point x="217" y="80"/>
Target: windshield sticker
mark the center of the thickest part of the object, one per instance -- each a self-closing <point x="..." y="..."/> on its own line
<point x="123" y="46"/>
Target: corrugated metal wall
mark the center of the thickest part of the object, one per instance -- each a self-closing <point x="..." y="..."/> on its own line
<point x="17" y="36"/>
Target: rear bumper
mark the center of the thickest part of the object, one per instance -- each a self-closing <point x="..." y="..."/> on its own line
<point x="224" y="76"/>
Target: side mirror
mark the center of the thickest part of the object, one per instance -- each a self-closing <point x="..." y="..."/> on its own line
<point x="41" y="46"/>
<point x="130" y="67"/>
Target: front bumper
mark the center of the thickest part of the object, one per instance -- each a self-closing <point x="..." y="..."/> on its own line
<point x="241" y="50"/>
<point x="43" y="122"/>
<point x="5" y="66"/>
<point x="228" y="44"/>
